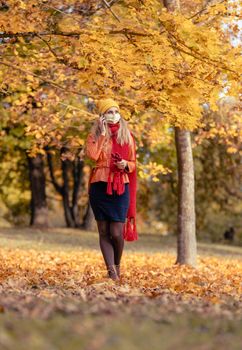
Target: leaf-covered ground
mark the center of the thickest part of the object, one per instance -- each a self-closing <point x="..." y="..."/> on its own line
<point x="54" y="282"/>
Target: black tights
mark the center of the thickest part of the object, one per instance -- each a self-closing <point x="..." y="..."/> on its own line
<point x="111" y="241"/>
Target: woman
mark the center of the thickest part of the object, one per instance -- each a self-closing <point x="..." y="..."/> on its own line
<point x="112" y="184"/>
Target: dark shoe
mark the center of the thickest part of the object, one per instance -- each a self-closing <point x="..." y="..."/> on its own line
<point x="112" y="273"/>
<point x="118" y="270"/>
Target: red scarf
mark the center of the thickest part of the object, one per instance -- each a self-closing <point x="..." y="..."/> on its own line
<point x="122" y="152"/>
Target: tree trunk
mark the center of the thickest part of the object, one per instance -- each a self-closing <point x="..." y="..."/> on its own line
<point x="172" y="5"/>
<point x="39" y="210"/>
<point x="186" y="245"/>
<point x="186" y="248"/>
<point x="77" y="177"/>
<point x="65" y="194"/>
<point x="89" y="223"/>
<point x="71" y="210"/>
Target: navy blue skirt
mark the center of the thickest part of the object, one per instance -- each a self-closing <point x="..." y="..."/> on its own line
<point x="108" y="207"/>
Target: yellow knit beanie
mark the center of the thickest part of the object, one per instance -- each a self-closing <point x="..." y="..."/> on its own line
<point x="106" y="103"/>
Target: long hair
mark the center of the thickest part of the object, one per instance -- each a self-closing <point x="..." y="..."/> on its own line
<point x="123" y="136"/>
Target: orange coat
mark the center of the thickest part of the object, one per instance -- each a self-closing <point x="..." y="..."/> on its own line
<point x="100" y="151"/>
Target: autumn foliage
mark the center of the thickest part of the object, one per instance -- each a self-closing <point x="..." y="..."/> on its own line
<point x="55" y="273"/>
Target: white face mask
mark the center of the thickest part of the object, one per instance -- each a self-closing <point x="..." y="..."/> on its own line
<point x="112" y="118"/>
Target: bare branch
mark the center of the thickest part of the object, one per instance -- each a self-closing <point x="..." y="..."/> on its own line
<point x="108" y="5"/>
<point x="206" y="7"/>
<point x="33" y="34"/>
<point x="127" y="31"/>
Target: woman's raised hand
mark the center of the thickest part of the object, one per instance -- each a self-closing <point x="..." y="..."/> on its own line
<point x="102" y="122"/>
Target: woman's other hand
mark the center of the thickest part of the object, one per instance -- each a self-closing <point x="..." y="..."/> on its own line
<point x="122" y="164"/>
